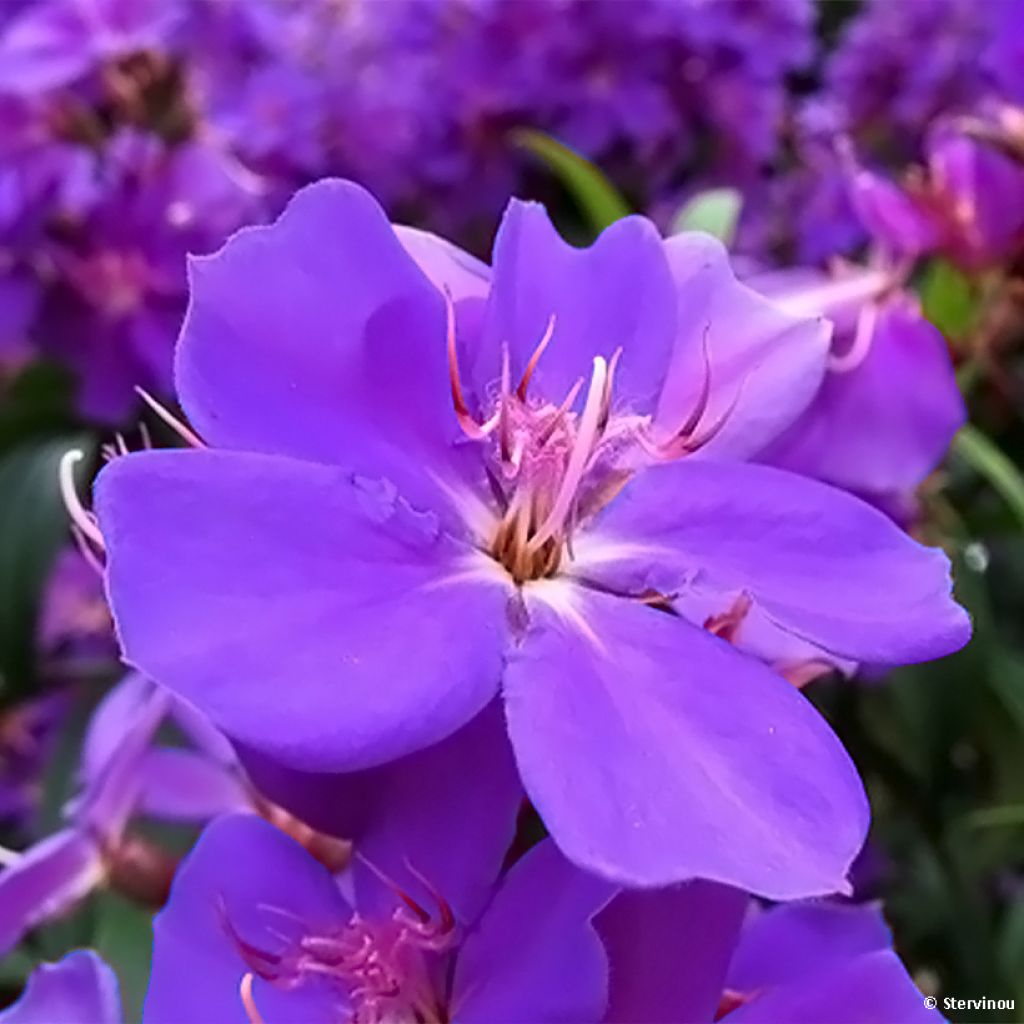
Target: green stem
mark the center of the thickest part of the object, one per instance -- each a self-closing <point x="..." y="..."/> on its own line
<point x="990" y="462"/>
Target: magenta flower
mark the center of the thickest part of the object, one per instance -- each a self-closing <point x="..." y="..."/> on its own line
<point x="80" y="989"/>
<point x="394" y="529"/>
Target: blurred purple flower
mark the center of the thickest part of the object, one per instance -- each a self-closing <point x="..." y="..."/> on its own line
<point x="122" y="775"/>
<point x="889" y="404"/>
<point x="966" y="203"/>
<point x="28" y="732"/>
<point x="80" y="989"/>
<point x="361" y="568"/>
<point x="75" y="628"/>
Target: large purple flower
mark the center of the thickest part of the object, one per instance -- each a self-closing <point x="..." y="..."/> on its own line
<point x="360" y="566"/>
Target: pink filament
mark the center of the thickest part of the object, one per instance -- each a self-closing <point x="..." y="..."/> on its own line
<point x="589" y="430"/>
<point x="85" y="521"/>
<point x="192" y="439"/>
<point x="854" y="356"/>
<point x="249" y="1000"/>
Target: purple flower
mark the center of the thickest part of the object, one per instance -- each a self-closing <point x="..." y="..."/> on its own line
<point x="28" y="733"/>
<point x="80" y="989"/>
<point x="263" y="931"/>
<point x="361" y="566"/>
<point x="698" y="953"/>
<point x="75" y="627"/>
<point x="53" y="42"/>
<point x="889" y="404"/>
<point x="57" y="872"/>
<point x="118" y="284"/>
<point x="967" y="203"/>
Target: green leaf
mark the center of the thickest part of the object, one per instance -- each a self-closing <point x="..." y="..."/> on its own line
<point x="597" y="197"/>
<point x="33" y="527"/>
<point x="716" y="211"/>
<point x="37" y="402"/>
<point x="982" y="454"/>
<point x="124" y="938"/>
<point x="947" y="299"/>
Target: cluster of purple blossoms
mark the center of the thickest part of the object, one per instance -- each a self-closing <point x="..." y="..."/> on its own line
<point x="136" y="132"/>
<point x="898" y="70"/>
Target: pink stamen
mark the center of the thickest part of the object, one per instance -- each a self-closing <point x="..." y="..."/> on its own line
<point x="589" y="431"/>
<point x="679" y="446"/>
<point x="606" y="399"/>
<point x="559" y="417"/>
<point x="87" y="551"/>
<point x="469" y="425"/>
<point x="854" y="356"/>
<point x="189" y="436"/>
<point x="704" y="397"/>
<point x="524" y="383"/>
<point x="249" y="1000"/>
<point x="84" y="520"/>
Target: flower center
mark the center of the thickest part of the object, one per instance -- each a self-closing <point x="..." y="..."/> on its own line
<point x="381" y="969"/>
<point x="552" y="468"/>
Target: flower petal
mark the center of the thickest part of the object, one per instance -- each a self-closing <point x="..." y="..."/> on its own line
<point x="47" y="879"/>
<point x="449" y="811"/>
<point x="765" y="364"/>
<point x="618" y="292"/>
<point x="821" y="563"/>
<point x="80" y="989"/>
<point x="792" y="940"/>
<point x="244" y="873"/>
<point x="536" y="955"/>
<point x="309" y="614"/>
<point x="319" y="337"/>
<point x="445" y="264"/>
<point x="884" y="426"/>
<point x="656" y="753"/>
<point x="668" y="951"/>
<point x="180" y="785"/>
<point x="873" y="987"/>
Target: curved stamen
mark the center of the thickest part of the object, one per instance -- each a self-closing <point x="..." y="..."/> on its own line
<point x="469" y="425"/>
<point x="84" y="520"/>
<point x="559" y="415"/>
<point x="524" y="382"/>
<point x="606" y="399"/>
<point x="87" y="551"/>
<point x="680" y="445"/>
<point x="704" y="396"/>
<point x="189" y="436"/>
<point x="586" y="437"/>
<point x="248" y="999"/>
<point x="867" y="322"/>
